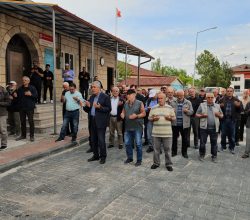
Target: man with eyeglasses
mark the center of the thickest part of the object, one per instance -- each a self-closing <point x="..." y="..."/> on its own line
<point x="209" y="114"/>
<point x="230" y="106"/>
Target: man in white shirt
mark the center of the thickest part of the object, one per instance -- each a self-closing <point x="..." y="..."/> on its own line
<point x="116" y="122"/>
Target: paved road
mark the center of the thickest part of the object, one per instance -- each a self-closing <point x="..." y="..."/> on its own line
<point x="66" y="186"/>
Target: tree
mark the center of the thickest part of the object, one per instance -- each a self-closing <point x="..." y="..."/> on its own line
<point x="212" y="72"/>
<point x="158" y="67"/>
<point x="121" y="70"/>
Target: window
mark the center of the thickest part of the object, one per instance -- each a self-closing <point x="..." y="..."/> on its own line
<point x="236" y="88"/>
<point x="69" y="58"/>
<point x="89" y="66"/>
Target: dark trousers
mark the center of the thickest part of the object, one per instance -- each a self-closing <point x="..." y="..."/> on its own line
<point x="237" y="130"/>
<point x="194" y="123"/>
<point x="46" y="87"/>
<point x="213" y="140"/>
<point x="29" y="114"/>
<point x="98" y="140"/>
<point x="184" y="132"/>
<point x="85" y="92"/>
<point x="228" y="130"/>
<point x="70" y="117"/>
<point x="38" y="87"/>
<point x="243" y="121"/>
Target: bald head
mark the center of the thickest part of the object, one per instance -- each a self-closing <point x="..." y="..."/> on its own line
<point x="180" y="95"/>
<point x="66" y="85"/>
<point x="161" y="98"/>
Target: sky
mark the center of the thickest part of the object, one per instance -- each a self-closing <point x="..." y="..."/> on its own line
<point x="167" y="29"/>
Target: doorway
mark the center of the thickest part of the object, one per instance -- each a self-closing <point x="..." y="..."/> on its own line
<point x="110" y="77"/>
<point x="18" y="60"/>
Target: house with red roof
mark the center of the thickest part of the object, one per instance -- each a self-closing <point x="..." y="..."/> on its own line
<point x="241" y="77"/>
<point x="148" y="79"/>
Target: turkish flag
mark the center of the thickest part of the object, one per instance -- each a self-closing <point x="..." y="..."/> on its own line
<point x="118" y="13"/>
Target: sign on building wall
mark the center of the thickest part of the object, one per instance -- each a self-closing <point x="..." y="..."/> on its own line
<point x="45" y="40"/>
<point x="49" y="58"/>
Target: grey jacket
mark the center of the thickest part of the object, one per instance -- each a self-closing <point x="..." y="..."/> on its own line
<point x="186" y="116"/>
<point x="247" y="112"/>
<point x="203" y="110"/>
<point x="4" y="101"/>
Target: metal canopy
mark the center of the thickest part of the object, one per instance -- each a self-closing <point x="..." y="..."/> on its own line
<point x="68" y="23"/>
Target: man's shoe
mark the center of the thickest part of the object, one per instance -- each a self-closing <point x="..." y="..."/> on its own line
<point x="244" y="156"/>
<point x="44" y="102"/>
<point x="110" y="146"/>
<point x="145" y="143"/>
<point x="32" y="139"/>
<point x="20" y="138"/>
<point x="154" y="166"/>
<point x="174" y="154"/>
<point x="93" y="159"/>
<point x="11" y="133"/>
<point x="59" y="139"/>
<point x="201" y="158"/>
<point x="3" y="147"/>
<point x="128" y="161"/>
<point x="138" y="163"/>
<point x="150" y="149"/>
<point x="232" y="151"/>
<point x="169" y="168"/>
<point x="102" y="161"/>
<point x="120" y="146"/>
<point x="237" y="144"/>
<point x="214" y="159"/>
<point x="185" y="156"/>
<point x="51" y="101"/>
<point x="73" y="140"/>
<point x="89" y="150"/>
<point x="196" y="147"/>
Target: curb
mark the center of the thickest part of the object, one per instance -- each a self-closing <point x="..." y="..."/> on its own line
<point x="31" y="158"/>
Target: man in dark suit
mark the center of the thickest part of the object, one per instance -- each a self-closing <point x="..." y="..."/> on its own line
<point x="98" y="107"/>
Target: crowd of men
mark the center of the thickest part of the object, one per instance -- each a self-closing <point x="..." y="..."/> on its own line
<point x="159" y="117"/>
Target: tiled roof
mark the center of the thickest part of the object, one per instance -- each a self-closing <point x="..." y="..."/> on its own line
<point x="156" y="81"/>
<point x="241" y="68"/>
<point x="143" y="72"/>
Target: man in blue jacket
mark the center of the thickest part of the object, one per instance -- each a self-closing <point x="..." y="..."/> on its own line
<point x="99" y="108"/>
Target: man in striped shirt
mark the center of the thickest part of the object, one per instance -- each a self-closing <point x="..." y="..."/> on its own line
<point x="161" y="115"/>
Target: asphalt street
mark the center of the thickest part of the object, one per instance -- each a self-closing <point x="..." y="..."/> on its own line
<point x="66" y="186"/>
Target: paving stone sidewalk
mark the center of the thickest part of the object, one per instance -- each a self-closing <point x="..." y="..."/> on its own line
<point x="23" y="151"/>
<point x="66" y="186"/>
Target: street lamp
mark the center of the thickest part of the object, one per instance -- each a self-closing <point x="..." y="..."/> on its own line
<point x="196" y="47"/>
<point x="227" y="55"/>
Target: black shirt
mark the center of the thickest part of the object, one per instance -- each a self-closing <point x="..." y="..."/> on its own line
<point x="84" y="78"/>
<point x="196" y="101"/>
<point x="27" y="103"/>
<point x="46" y="74"/>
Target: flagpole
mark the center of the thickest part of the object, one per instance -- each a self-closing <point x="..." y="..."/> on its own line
<point x="116" y="22"/>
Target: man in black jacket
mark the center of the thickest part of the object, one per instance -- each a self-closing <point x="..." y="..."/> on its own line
<point x="115" y="122"/>
<point x="84" y="78"/>
<point x="36" y="78"/>
<point x="231" y="107"/>
<point x="27" y="96"/>
<point x="98" y="107"/>
<point x="48" y="78"/>
<point x="194" y="121"/>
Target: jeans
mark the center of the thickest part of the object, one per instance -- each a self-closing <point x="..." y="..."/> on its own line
<point x="130" y="137"/>
<point x="149" y="133"/>
<point x="213" y="140"/>
<point x="70" y="117"/>
<point x="30" y="115"/>
<point x="184" y="133"/>
<point x="228" y="130"/>
<point x="247" y="150"/>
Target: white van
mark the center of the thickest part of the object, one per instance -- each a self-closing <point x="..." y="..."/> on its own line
<point x="211" y="89"/>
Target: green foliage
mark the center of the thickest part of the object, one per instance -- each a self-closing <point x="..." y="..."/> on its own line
<point x="122" y="72"/>
<point x="212" y="72"/>
<point x="158" y="67"/>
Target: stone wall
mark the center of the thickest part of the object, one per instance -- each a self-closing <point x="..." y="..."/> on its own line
<point x="12" y="24"/>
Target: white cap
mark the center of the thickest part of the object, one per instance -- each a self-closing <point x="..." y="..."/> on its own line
<point x="152" y="93"/>
<point x="13" y="82"/>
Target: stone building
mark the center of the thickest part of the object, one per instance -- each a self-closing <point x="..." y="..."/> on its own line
<point x="26" y="34"/>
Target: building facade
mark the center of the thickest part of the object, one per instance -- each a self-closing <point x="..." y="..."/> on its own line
<point x="241" y="77"/>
